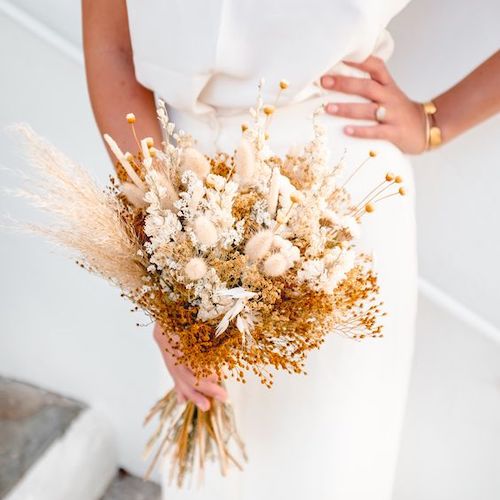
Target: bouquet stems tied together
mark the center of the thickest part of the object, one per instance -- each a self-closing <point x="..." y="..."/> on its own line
<point x="246" y="260"/>
<point x="192" y="437"/>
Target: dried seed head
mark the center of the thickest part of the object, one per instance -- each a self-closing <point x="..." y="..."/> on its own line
<point x="274" y="191"/>
<point x="244" y="127"/>
<point x="275" y="265"/>
<point x="297" y="197"/>
<point x="372" y="154"/>
<point x="281" y="218"/>
<point x="205" y="231"/>
<point x="195" y="269"/>
<point x="259" y="245"/>
<point x="193" y="160"/>
<point x="130" y="118"/>
<point x="244" y="160"/>
<point x="284" y="84"/>
<point x="268" y="109"/>
<point x="133" y="194"/>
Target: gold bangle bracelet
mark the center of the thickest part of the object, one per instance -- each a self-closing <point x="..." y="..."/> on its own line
<point x="432" y="131"/>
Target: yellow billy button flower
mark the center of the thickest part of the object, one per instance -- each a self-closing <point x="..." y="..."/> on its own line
<point x="389" y="176"/>
<point x="398" y="179"/>
<point x="149" y="142"/>
<point x="268" y="109"/>
<point x="130" y="118"/>
<point x="297" y="197"/>
<point x="372" y="154"/>
<point x="369" y="207"/>
<point x="284" y="84"/>
<point x="402" y="191"/>
<point x="244" y="127"/>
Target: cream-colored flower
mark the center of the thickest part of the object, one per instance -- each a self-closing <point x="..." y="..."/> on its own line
<point x="244" y="160"/>
<point x="192" y="159"/>
<point x="133" y="194"/>
<point x="205" y="231"/>
<point x="195" y="269"/>
<point x="275" y="265"/>
<point x="259" y="245"/>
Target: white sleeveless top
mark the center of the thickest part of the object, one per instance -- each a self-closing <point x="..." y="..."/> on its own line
<point x="206" y="55"/>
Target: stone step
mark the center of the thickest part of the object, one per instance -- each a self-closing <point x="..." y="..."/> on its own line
<point x="128" y="487"/>
<point x="51" y="447"/>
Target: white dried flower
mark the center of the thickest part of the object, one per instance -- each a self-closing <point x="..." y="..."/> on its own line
<point x="195" y="269"/>
<point x="196" y="196"/>
<point x="192" y="159"/>
<point x="244" y="160"/>
<point x="274" y="191"/>
<point x="215" y="181"/>
<point x="205" y="231"/>
<point x="122" y="158"/>
<point x="133" y="194"/>
<point x="259" y="245"/>
<point x="275" y="265"/>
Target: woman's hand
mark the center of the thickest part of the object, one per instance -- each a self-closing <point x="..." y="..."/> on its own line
<point x="404" y="121"/>
<point x="186" y="386"/>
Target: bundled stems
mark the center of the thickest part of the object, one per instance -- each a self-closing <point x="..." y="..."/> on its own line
<point x="191" y="437"/>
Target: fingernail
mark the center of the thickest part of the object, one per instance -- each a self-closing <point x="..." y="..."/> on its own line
<point x="332" y="108"/>
<point x="328" y="81"/>
<point x="349" y="130"/>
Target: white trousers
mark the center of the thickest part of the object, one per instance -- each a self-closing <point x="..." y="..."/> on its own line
<point x="333" y="434"/>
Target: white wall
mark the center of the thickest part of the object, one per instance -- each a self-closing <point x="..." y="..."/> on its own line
<point x="437" y="43"/>
<point x="72" y="333"/>
<point x="62" y="328"/>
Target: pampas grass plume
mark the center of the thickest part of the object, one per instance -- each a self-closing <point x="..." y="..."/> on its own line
<point x="205" y="231"/>
<point x="193" y="160"/>
<point x="195" y="269"/>
<point x="258" y="245"/>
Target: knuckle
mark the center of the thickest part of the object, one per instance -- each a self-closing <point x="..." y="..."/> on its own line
<point x="340" y="83"/>
<point x="371" y="89"/>
<point x="378" y="63"/>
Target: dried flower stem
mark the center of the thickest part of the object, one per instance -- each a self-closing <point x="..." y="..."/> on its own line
<point x="192" y="437"/>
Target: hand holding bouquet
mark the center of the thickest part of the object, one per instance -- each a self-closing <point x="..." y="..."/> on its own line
<point x="246" y="261"/>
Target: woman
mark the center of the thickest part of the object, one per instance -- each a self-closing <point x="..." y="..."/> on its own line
<point x="335" y="433"/>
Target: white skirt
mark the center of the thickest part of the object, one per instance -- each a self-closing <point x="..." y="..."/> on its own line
<point x="333" y="434"/>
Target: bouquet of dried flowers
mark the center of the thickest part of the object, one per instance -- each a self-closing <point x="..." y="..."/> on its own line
<point x="246" y="260"/>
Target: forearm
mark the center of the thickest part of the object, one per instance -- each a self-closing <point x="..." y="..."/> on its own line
<point x="471" y="101"/>
<point x="113" y="88"/>
<point x="118" y="95"/>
